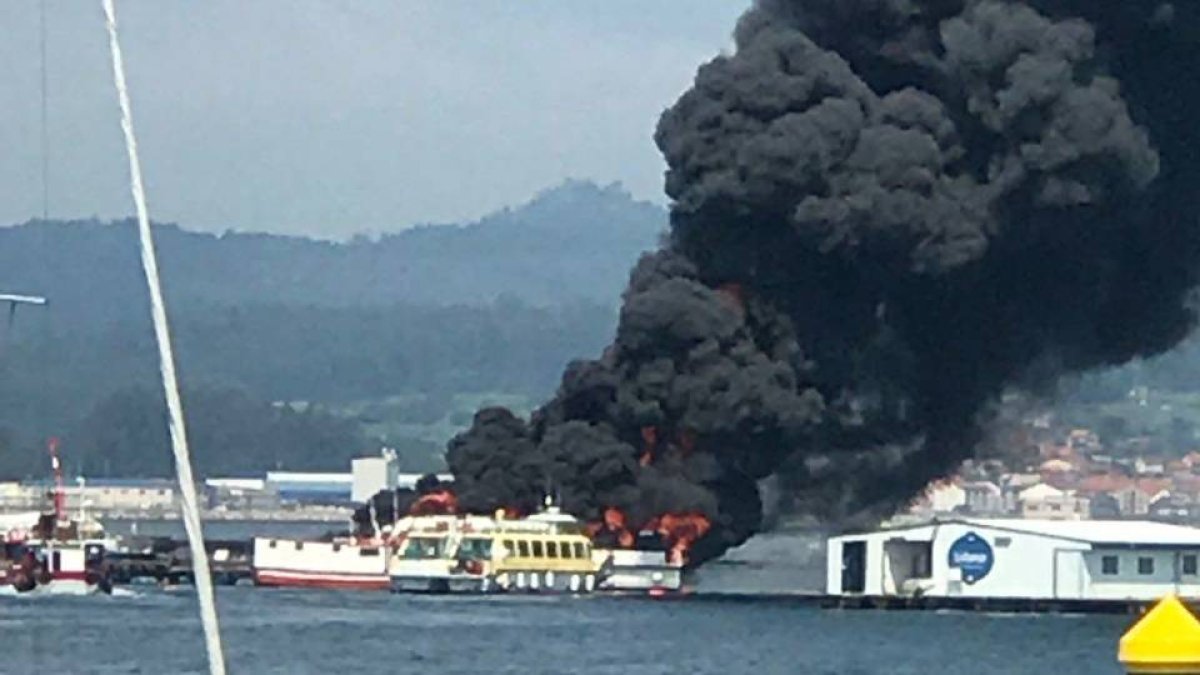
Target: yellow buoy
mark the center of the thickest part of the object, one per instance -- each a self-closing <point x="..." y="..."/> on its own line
<point x="1165" y="640"/>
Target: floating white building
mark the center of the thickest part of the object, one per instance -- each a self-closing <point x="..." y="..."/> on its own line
<point x="1018" y="559"/>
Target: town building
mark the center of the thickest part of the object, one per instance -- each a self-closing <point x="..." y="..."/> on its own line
<point x="1043" y="501"/>
<point x="325" y="489"/>
<point x="1018" y="559"/>
<point x="984" y="498"/>
<point x="240" y="494"/>
<point x="152" y="496"/>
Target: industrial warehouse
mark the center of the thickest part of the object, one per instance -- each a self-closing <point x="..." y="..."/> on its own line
<point x="1072" y="563"/>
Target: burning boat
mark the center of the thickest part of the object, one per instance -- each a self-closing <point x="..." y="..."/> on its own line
<point x="650" y="560"/>
<point x="434" y="549"/>
<point x="549" y="551"/>
<point x="545" y="553"/>
<point x="649" y="557"/>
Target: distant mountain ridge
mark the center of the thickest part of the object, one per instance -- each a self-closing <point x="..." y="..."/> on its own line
<point x="574" y="242"/>
<point x="496" y="306"/>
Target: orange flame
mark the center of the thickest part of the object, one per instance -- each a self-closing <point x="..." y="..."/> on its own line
<point x="614" y="525"/>
<point x="614" y="519"/>
<point x="436" y="503"/>
<point x="681" y="530"/>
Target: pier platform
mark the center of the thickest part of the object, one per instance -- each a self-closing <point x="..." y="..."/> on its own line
<point x="929" y="603"/>
<point x="168" y="561"/>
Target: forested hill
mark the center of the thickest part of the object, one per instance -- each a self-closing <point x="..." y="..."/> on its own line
<point x="570" y="243"/>
<point x="497" y="306"/>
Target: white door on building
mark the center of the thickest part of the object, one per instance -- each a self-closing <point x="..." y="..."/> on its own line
<point x="1070" y="575"/>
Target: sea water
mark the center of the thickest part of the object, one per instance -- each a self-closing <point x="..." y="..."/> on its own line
<point x="313" y="631"/>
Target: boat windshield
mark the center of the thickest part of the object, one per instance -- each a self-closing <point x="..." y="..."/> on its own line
<point x="424" y="548"/>
<point x="475" y="548"/>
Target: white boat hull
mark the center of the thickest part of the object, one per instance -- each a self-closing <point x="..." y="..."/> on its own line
<point x="331" y="565"/>
<point x="637" y="571"/>
<point x="513" y="582"/>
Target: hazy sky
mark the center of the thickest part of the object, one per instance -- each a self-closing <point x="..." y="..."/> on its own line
<point x="331" y="117"/>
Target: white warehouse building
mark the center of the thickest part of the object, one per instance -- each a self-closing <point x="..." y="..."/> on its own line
<point x="372" y="474"/>
<point x="1018" y="559"/>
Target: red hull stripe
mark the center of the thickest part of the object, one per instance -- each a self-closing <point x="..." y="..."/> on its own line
<point x="70" y="576"/>
<point x="321" y="579"/>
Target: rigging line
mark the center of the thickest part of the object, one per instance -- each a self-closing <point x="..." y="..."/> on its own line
<point x="45" y="116"/>
<point x="179" y="444"/>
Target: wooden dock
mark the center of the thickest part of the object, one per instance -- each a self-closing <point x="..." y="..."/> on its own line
<point x="997" y="605"/>
<point x="168" y="562"/>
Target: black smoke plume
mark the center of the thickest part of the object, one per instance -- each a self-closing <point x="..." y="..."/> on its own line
<point x="885" y="213"/>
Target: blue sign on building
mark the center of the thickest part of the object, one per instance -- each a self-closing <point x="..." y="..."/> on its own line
<point x="973" y="555"/>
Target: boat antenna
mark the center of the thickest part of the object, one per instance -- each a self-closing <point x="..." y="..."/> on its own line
<point x="59" y="493"/>
<point x="13" y="301"/>
<point x="170" y="383"/>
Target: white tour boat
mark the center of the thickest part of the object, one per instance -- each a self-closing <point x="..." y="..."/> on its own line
<point x="545" y="553"/>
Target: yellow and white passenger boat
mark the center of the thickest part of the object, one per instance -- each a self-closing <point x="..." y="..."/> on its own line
<point x="544" y="553"/>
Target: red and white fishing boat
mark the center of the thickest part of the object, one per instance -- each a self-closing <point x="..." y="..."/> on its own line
<point x="50" y="553"/>
<point x="60" y="568"/>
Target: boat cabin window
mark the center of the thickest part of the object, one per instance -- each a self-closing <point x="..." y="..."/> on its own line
<point x="366" y="552"/>
<point x="551" y="549"/>
<point x="1145" y="565"/>
<point x="565" y="549"/>
<point x="299" y="546"/>
<point x="1109" y="564"/>
<point x="1189" y="565"/>
<point x="538" y="551"/>
<point x="423" y="548"/>
<point x="336" y="547"/>
<point x="523" y="548"/>
<point x="580" y="550"/>
<point x="272" y="544"/>
<point x="510" y="548"/>
<point x="475" y="548"/>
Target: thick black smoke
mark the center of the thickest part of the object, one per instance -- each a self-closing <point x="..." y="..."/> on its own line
<point x="885" y="214"/>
